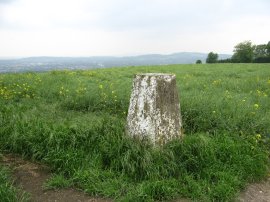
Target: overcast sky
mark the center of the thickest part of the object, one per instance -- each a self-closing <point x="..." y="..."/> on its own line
<point x="129" y="27"/>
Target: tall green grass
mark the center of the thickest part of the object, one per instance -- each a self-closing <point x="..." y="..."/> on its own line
<point x="74" y="121"/>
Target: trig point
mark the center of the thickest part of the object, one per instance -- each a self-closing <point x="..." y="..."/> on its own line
<point x="154" y="109"/>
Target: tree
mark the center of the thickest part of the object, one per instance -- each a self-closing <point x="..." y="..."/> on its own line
<point x="212" y="57"/>
<point x="268" y="49"/>
<point x="260" y="51"/>
<point x="198" y="62"/>
<point x="228" y="60"/>
<point x="243" y="52"/>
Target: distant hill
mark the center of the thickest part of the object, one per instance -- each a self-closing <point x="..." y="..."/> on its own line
<point x="49" y="63"/>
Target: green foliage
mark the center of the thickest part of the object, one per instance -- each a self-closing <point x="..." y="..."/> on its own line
<point x="212" y="58"/>
<point x="243" y="52"/>
<point x="246" y="52"/>
<point x="268" y="48"/>
<point x="198" y="62"/>
<point x="260" y="51"/>
<point x="75" y="123"/>
<point x="228" y="60"/>
<point x="57" y="181"/>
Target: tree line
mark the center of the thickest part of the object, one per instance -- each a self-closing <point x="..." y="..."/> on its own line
<point x="244" y="52"/>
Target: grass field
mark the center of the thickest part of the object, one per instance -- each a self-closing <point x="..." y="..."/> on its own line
<point x="74" y="121"/>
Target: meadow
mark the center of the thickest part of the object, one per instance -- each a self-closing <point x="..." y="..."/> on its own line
<point x="74" y="122"/>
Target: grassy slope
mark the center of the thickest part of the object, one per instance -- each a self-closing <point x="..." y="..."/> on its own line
<point x="74" y="121"/>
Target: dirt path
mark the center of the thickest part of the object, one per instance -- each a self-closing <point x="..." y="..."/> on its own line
<point x="257" y="192"/>
<point x="31" y="177"/>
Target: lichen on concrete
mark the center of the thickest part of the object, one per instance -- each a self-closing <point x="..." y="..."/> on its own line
<point x="154" y="110"/>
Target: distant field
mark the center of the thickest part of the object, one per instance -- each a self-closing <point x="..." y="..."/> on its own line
<point x="74" y="121"/>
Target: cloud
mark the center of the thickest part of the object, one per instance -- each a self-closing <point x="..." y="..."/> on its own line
<point x="94" y="27"/>
<point x="6" y="1"/>
<point x="124" y="15"/>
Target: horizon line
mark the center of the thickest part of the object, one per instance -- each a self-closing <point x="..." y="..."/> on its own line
<point x="115" y="56"/>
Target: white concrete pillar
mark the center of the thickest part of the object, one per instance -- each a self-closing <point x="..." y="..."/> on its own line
<point x="154" y="110"/>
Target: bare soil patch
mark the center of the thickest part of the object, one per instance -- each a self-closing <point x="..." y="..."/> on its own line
<point x="256" y="192"/>
<point x="30" y="177"/>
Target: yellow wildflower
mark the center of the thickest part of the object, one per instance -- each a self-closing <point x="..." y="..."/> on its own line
<point x="258" y="136"/>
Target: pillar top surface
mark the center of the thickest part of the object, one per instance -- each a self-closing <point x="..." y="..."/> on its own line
<point x="155" y="74"/>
